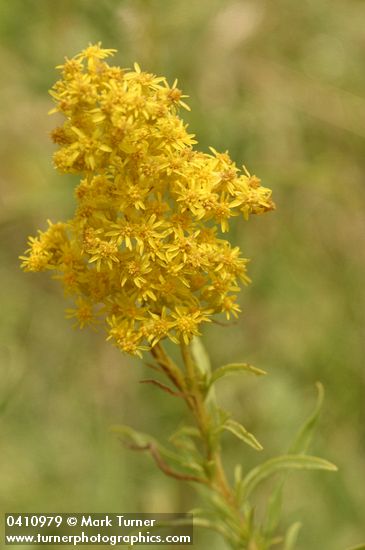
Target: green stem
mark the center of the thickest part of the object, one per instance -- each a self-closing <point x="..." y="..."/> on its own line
<point x="206" y="426"/>
<point x="195" y="398"/>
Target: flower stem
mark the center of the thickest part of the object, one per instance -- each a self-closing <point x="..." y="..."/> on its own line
<point x="189" y="383"/>
<point x="205" y="422"/>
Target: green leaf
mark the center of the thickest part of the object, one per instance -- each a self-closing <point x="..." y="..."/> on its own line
<point x="234" y="368"/>
<point x="140" y="441"/>
<point x="299" y="446"/>
<point x="219" y="527"/>
<point x="282" y="463"/>
<point x="291" y="536"/>
<point x="305" y="434"/>
<point x="249" y="513"/>
<point x="219" y="506"/>
<point x="274" y="509"/>
<point x="237" y="474"/>
<point x="240" y="431"/>
<point x="187" y="431"/>
<point x="202" y="361"/>
<point x="188" y="462"/>
<point x="131" y="437"/>
<point x="200" y="356"/>
<point x="360" y="547"/>
<point x="184" y="439"/>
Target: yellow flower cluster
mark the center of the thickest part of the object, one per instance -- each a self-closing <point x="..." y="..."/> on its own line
<point x="144" y="252"/>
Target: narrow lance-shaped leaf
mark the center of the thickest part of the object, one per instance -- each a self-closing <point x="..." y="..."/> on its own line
<point x="202" y="361"/>
<point x="240" y="431"/>
<point x="139" y="441"/>
<point x="291" y="536"/>
<point x="131" y="437"/>
<point x="200" y="356"/>
<point x="274" y="508"/>
<point x="184" y="439"/>
<point x="299" y="446"/>
<point x="219" y="527"/>
<point x="305" y="434"/>
<point x="238" y="474"/>
<point x="234" y="368"/>
<point x="278" y="464"/>
<point x="220" y="507"/>
<point x="186" y="431"/>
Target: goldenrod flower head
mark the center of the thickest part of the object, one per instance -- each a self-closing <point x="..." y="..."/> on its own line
<point x="144" y="252"/>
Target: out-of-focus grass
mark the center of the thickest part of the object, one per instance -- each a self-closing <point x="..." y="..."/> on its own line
<point x="281" y="84"/>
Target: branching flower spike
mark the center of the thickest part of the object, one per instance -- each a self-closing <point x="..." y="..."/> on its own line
<point x="144" y="253"/>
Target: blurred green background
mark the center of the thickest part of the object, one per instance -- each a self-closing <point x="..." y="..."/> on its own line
<point x="281" y="85"/>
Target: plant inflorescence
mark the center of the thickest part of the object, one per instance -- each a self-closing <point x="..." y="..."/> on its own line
<point x="145" y="250"/>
